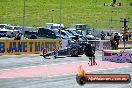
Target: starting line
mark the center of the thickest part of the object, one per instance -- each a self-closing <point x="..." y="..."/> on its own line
<point x="59" y="69"/>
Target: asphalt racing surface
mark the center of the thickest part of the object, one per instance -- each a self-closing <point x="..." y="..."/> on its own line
<point x="32" y="71"/>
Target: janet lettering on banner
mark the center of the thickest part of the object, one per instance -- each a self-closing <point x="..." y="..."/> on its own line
<point x="27" y="46"/>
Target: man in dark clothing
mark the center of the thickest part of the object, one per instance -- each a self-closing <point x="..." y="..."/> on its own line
<point x="18" y="36"/>
<point x="89" y="51"/>
<point x="116" y="39"/>
<point x="102" y="35"/>
<point x="113" y="44"/>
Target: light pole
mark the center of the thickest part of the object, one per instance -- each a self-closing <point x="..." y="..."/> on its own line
<point x="24" y="4"/>
<point x="60" y="16"/>
<point x="52" y="11"/>
<point x="111" y="20"/>
<point x="52" y="15"/>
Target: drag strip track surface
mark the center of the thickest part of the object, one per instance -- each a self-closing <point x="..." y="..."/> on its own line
<point x="61" y="81"/>
<point x="15" y="62"/>
<point x="59" y="69"/>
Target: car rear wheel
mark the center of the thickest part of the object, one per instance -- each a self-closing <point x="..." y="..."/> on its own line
<point x="74" y="52"/>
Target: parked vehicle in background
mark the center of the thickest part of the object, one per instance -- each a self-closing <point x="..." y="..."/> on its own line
<point x="8" y="33"/>
<point x="11" y="33"/>
<point x="31" y="34"/>
<point x="3" y="32"/>
<point x="90" y="37"/>
<point x="53" y="34"/>
<point x="82" y="28"/>
<point x="47" y="33"/>
<point x="73" y="32"/>
<point x="3" y="25"/>
<point x="17" y="28"/>
<point x="30" y="29"/>
<point x="64" y="34"/>
<point x="11" y="30"/>
<point x="8" y="27"/>
<point x="69" y="35"/>
<point x="53" y="26"/>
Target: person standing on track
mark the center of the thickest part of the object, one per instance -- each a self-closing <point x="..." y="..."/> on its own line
<point x="89" y="51"/>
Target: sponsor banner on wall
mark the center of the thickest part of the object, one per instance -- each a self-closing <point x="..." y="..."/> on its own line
<point x="117" y="56"/>
<point x="27" y="46"/>
<point x="105" y="45"/>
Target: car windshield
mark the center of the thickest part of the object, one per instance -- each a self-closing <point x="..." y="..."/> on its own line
<point x="56" y="32"/>
<point x="78" y="32"/>
<point x="55" y="27"/>
<point x="8" y="27"/>
<point x="17" y="28"/>
<point x="2" y="26"/>
<point x="74" y="32"/>
<point x="68" y="33"/>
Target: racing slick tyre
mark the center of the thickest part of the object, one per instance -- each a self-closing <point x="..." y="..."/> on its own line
<point x="74" y="52"/>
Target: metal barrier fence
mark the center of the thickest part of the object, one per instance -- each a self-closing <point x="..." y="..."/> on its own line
<point x="103" y="44"/>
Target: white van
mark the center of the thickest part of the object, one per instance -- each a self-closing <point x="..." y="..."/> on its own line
<point x="3" y="25"/>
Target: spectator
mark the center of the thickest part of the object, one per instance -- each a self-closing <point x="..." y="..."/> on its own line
<point x="102" y="35"/>
<point x="116" y="39"/>
<point x="18" y="36"/>
<point x="112" y="41"/>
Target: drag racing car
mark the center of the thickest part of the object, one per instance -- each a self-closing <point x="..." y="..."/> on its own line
<point x="74" y="48"/>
